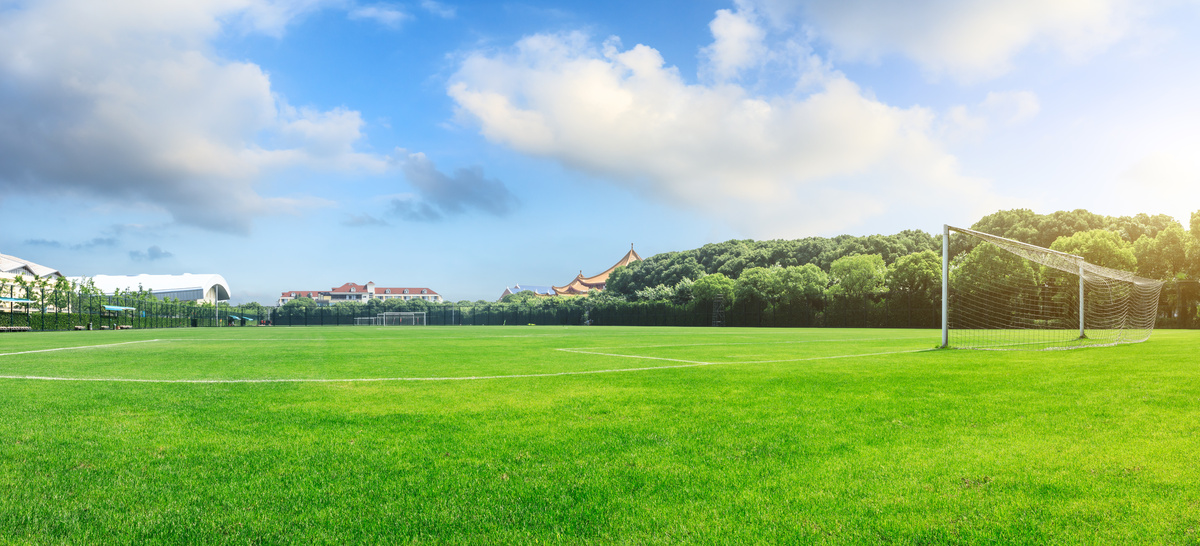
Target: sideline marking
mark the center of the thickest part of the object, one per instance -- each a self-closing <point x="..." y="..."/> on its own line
<point x="683" y="364"/>
<point x="80" y="347"/>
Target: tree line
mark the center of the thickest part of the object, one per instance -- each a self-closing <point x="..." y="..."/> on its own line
<point x="824" y="273"/>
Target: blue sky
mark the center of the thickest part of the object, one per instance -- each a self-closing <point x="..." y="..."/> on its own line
<point x="470" y="146"/>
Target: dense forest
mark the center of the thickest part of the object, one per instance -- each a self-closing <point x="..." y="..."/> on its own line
<point x="908" y="262"/>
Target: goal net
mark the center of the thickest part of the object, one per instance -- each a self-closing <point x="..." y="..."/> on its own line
<point x="1004" y="294"/>
<point x="366" y="321"/>
<point x="402" y="318"/>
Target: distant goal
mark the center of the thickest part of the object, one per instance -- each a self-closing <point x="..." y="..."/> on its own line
<point x="402" y="318"/>
<point x="1002" y="294"/>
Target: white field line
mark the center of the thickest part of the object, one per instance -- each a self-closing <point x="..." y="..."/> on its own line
<point x="80" y="347"/>
<point x="683" y="364"/>
<point x="695" y="363"/>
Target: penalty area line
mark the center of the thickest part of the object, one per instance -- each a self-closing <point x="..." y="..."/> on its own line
<point x="80" y="347"/>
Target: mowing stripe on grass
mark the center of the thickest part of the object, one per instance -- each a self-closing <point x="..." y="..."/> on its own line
<point x="80" y="347"/>
<point x="695" y="363"/>
<point x="684" y="364"/>
<point x="743" y="343"/>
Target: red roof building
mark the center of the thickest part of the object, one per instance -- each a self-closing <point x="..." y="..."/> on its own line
<point x="361" y="293"/>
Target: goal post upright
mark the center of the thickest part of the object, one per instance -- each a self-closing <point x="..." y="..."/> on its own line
<point x="945" y="285"/>
<point x="1082" y="335"/>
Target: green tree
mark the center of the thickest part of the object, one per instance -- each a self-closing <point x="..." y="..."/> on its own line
<point x="1100" y="247"/>
<point x="917" y="276"/>
<point x="858" y="276"/>
<point x="707" y="288"/>
<point x="758" y="284"/>
<point x="297" y="303"/>
<point x="1164" y="256"/>
<point x="524" y="297"/>
<point x="805" y="283"/>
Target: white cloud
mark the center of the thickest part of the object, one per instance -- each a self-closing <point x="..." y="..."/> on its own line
<point x="439" y="9"/>
<point x="771" y="165"/>
<point x="737" y="44"/>
<point x="1003" y="108"/>
<point x="126" y="101"/>
<point x="969" y="39"/>
<point x="1012" y="107"/>
<point x="384" y="14"/>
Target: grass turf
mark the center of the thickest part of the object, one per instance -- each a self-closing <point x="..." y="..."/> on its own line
<point x="769" y="435"/>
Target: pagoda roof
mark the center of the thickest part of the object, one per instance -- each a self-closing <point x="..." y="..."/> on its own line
<point x="581" y="284"/>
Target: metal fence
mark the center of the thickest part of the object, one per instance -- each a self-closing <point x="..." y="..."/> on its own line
<point x="47" y="309"/>
<point x="50" y="310"/>
<point x="839" y="313"/>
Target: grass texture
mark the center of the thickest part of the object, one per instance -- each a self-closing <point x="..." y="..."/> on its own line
<point x="482" y="435"/>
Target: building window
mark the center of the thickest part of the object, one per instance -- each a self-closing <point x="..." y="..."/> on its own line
<point x="405" y="291"/>
<point x="351" y="289"/>
<point x="387" y="291"/>
<point x="424" y="291"/>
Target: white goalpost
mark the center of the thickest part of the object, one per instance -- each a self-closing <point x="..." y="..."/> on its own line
<point x="402" y="318"/>
<point x="1004" y="294"/>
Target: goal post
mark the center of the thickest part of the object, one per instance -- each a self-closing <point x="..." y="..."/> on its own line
<point x="998" y="293"/>
<point x="402" y="318"/>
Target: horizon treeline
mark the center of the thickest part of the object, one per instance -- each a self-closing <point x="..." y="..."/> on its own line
<point x="814" y="271"/>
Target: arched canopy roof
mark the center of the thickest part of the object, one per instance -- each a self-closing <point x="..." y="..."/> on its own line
<point x="160" y="284"/>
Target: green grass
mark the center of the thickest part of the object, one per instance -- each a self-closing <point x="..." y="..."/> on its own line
<point x="764" y="435"/>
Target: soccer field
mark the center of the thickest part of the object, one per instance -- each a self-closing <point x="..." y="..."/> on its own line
<point x="602" y="435"/>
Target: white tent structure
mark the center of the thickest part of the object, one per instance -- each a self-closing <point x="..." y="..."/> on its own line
<point x="206" y="287"/>
<point x="11" y="266"/>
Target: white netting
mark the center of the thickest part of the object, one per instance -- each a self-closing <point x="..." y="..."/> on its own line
<point x="1005" y="294"/>
<point x="402" y="318"/>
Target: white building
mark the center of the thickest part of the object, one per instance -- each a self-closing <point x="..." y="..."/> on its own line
<point x="207" y="287"/>
<point x="361" y="293"/>
<point x="11" y="266"/>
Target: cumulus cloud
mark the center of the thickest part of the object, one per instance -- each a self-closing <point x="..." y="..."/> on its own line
<point x="738" y="43"/>
<point x="384" y="14"/>
<point x="126" y="101"/>
<point x="772" y="165"/>
<point x="441" y="195"/>
<point x="970" y="39"/>
<point x="151" y="254"/>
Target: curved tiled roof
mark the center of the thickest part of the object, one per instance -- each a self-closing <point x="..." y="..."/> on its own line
<point x="581" y="284"/>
